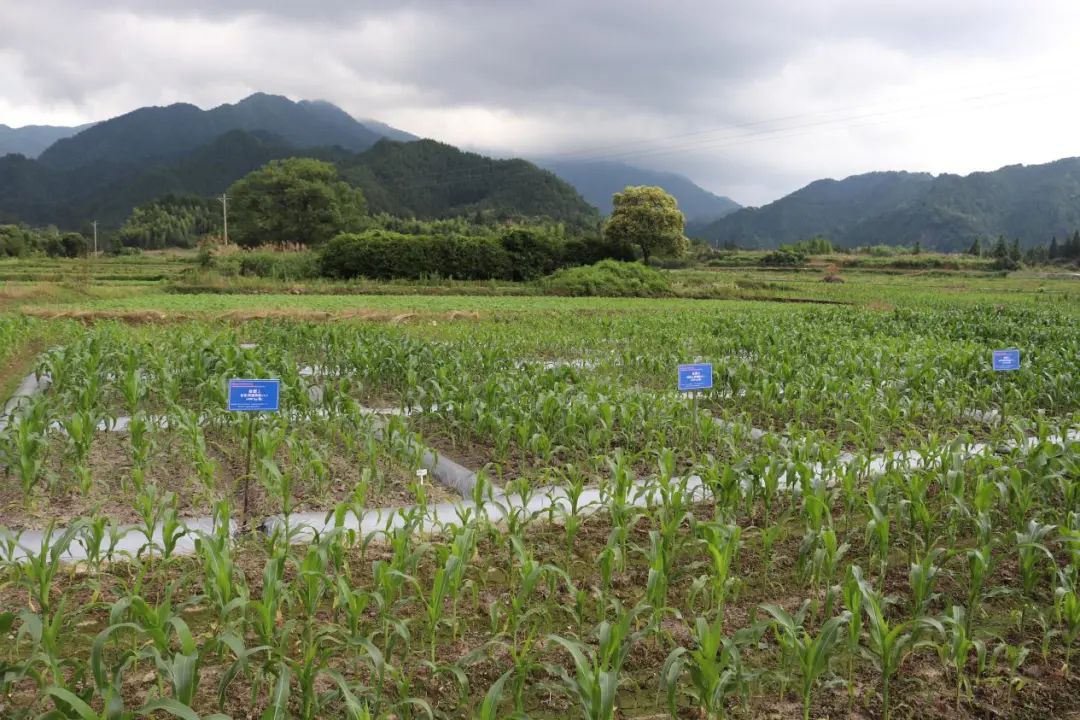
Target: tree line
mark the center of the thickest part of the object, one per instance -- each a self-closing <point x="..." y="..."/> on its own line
<point x="304" y="202"/>
<point x="24" y="241"/>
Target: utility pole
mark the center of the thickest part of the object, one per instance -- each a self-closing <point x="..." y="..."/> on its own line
<point x="95" y="237"/>
<point x="224" y="200"/>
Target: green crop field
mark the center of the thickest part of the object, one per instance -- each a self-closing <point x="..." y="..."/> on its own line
<point x="500" y="506"/>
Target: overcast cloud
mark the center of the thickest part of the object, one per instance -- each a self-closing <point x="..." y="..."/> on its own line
<point x="749" y="99"/>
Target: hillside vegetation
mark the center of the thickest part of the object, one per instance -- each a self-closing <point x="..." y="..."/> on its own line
<point x="424" y="179"/>
<point x="948" y="212"/>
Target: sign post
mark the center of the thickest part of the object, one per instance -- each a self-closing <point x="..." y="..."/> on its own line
<point x="252" y="396"/>
<point x="1005" y="361"/>
<point x="692" y="378"/>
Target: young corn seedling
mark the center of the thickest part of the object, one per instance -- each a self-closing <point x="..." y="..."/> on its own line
<point x="1030" y="547"/>
<point x="715" y="666"/>
<point x="810" y="655"/>
<point x="852" y="590"/>
<point x="1067" y="609"/>
<point x="826" y="560"/>
<point x="922" y="578"/>
<point x="877" y="530"/>
<point x="30" y="444"/>
<point x="957" y="648"/>
<point x="594" y="684"/>
<point x="37" y="571"/>
<point x="889" y="644"/>
<point x="722" y="542"/>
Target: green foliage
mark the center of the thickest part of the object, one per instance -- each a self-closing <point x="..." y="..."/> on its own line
<point x="423" y="179"/>
<point x="413" y="612"/>
<point x="609" y="278"/>
<point x="649" y="219"/>
<point x="286" y="266"/>
<point x="172" y="221"/>
<point x="516" y="253"/>
<point x="809" y="655"/>
<point x="151" y="133"/>
<point x="783" y="258"/>
<point x="817" y="245"/>
<point x="73" y="245"/>
<point x="298" y="200"/>
<point x="946" y="213"/>
<point x="21" y="241"/>
<point x="429" y="180"/>
<point x="379" y="254"/>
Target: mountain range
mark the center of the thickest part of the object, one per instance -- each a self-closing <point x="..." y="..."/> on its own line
<point x="106" y="170"/>
<point x="944" y="212"/>
<point x="103" y="170"/>
<point x="31" y="140"/>
<point x="143" y="151"/>
<point x="598" y="181"/>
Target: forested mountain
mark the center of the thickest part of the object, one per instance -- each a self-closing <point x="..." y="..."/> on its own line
<point x="599" y="181"/>
<point x="32" y="140"/>
<point x="164" y="134"/>
<point x="388" y="132"/>
<point x="431" y="179"/>
<point x="424" y="179"/>
<point x="110" y="167"/>
<point x="946" y="212"/>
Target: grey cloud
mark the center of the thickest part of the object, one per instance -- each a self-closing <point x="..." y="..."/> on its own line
<point x="621" y="70"/>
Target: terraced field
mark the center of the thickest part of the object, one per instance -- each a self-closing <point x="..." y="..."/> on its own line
<point x="502" y="507"/>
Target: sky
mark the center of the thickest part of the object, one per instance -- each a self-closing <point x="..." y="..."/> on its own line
<point x="749" y="99"/>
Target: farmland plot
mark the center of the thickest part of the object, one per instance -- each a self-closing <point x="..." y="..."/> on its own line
<point x="876" y="548"/>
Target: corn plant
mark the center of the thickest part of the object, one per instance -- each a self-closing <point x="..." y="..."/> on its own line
<point x="722" y="542"/>
<point x="595" y="682"/>
<point x="957" y="647"/>
<point x="1031" y="547"/>
<point x="921" y="578"/>
<point x="889" y="644"/>
<point x="811" y="655"/>
<point x="1067" y="609"/>
<point x="715" y="666"/>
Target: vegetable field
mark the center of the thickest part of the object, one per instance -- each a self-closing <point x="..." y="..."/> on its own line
<point x="513" y="513"/>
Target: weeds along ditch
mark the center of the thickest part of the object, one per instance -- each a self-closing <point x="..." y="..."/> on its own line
<point x="887" y="546"/>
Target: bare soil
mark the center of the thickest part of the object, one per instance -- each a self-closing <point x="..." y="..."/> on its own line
<point x="58" y="498"/>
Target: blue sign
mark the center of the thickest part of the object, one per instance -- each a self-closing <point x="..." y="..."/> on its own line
<point x="1006" y="359"/>
<point x="254" y="395"/>
<point x="697" y="376"/>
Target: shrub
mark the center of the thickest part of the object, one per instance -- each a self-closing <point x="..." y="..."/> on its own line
<point x="73" y="245"/>
<point x="518" y="253"/>
<point x="609" y="278"/>
<point x="531" y="253"/>
<point x="783" y="258"/>
<point x="384" y="255"/>
<point x="124" y="251"/>
<point x="817" y="245"/>
<point x="288" y="266"/>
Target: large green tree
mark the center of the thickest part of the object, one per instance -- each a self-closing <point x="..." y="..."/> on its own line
<point x="296" y="200"/>
<point x="647" y="218"/>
